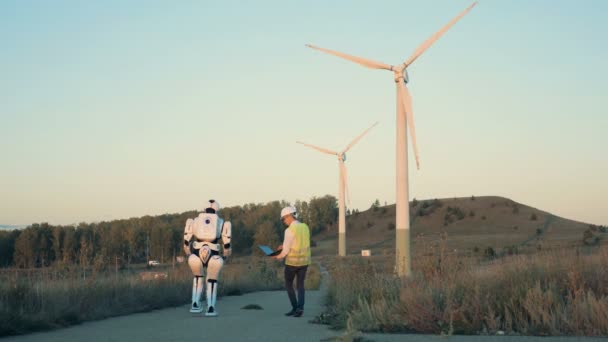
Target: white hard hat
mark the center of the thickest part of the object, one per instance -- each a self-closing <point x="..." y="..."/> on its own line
<point x="212" y="204"/>
<point x="289" y="210"/>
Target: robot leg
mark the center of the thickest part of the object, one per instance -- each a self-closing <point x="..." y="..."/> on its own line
<point x="197" y="283"/>
<point x="213" y="272"/>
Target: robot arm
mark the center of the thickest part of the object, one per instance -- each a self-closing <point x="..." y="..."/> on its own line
<point x="226" y="235"/>
<point x="188" y="235"/>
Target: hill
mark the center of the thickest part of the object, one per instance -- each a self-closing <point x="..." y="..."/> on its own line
<point x="468" y="225"/>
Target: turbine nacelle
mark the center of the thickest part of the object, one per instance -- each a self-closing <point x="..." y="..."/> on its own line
<point x="342" y="156"/>
<point x="400" y="73"/>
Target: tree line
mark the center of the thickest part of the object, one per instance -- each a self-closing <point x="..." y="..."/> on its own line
<point x="137" y="240"/>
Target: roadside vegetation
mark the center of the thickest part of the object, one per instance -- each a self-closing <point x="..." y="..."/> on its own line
<point x="547" y="293"/>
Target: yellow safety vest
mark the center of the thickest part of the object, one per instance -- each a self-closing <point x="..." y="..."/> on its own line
<point x="299" y="254"/>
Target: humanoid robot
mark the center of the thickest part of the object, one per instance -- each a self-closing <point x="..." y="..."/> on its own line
<point x="201" y="244"/>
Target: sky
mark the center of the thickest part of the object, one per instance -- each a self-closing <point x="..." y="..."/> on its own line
<point x="114" y="109"/>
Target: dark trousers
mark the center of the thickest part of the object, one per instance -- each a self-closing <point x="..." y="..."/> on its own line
<point x="291" y="272"/>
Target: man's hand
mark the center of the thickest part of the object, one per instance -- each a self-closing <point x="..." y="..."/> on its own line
<point x="276" y="257"/>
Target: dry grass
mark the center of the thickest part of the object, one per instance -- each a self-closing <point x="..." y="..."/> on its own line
<point x="50" y="298"/>
<point x="552" y="293"/>
<point x="40" y="301"/>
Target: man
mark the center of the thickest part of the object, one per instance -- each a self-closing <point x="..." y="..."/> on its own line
<point x="296" y="251"/>
<point x="202" y="245"/>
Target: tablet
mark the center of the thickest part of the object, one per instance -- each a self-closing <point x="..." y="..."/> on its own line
<point x="268" y="251"/>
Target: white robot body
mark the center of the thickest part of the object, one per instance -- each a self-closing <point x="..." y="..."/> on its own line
<point x="188" y="236"/>
<point x="207" y="227"/>
<point x="201" y="242"/>
<point x="215" y="265"/>
<point x="197" y="291"/>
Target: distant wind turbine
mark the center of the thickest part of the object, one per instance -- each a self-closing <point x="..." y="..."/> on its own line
<point x="405" y="117"/>
<point x="343" y="187"/>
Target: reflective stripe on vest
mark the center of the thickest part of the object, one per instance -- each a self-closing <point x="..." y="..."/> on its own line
<point x="299" y="253"/>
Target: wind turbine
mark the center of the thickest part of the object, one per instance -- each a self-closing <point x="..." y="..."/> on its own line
<point x="405" y="117"/>
<point x="343" y="186"/>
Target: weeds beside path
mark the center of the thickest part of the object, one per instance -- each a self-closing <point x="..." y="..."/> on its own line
<point x="559" y="293"/>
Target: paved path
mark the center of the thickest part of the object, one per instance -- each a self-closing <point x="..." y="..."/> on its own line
<point x="178" y="324"/>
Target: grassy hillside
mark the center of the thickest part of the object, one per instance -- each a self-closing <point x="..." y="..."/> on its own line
<point x="470" y="225"/>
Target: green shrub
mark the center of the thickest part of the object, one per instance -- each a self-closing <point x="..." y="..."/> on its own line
<point x="489" y="253"/>
<point x="376" y="205"/>
<point x="459" y="213"/>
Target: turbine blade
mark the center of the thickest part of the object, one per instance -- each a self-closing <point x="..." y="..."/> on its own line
<point x="344" y="180"/>
<point x="406" y="102"/>
<point x="359" y="137"/>
<point x="318" y="148"/>
<point x="365" y="62"/>
<point x="436" y="36"/>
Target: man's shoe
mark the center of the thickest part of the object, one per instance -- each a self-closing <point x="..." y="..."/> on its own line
<point x="298" y="313"/>
<point x="291" y="313"/>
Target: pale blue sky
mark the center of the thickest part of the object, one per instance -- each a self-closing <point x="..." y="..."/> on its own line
<point x="115" y="109"/>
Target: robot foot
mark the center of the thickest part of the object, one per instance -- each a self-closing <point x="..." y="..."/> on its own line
<point x="196" y="308"/>
<point x="211" y="311"/>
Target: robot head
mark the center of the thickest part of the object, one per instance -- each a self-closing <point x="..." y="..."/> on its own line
<point x="212" y="207"/>
<point x="289" y="210"/>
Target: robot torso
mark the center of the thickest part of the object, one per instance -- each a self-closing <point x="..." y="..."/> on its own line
<point x="207" y="227"/>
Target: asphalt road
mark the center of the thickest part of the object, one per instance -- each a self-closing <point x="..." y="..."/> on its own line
<point x="177" y="324"/>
